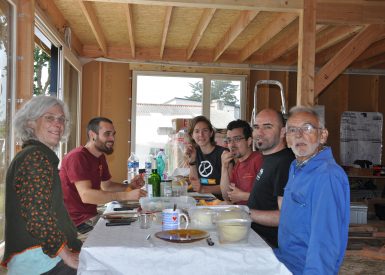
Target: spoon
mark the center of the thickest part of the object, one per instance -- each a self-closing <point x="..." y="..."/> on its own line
<point x="210" y="241"/>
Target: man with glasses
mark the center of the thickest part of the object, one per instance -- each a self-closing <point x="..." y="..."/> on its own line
<point x="314" y="222"/>
<point x="86" y="179"/>
<point x="236" y="185"/>
<point x="266" y="197"/>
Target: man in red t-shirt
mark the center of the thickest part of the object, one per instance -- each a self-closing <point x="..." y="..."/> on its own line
<point x="86" y="179"/>
<point x="237" y="184"/>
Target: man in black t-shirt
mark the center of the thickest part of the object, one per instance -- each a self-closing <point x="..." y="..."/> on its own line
<point x="266" y="197"/>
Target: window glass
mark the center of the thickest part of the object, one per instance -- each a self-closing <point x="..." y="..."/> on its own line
<point x="6" y="67"/>
<point x="164" y="105"/>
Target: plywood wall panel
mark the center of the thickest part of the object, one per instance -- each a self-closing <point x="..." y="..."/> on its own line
<point x="362" y="93"/>
<point x="335" y="100"/>
<point x="107" y="92"/>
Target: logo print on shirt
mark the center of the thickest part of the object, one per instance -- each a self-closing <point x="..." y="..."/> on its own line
<point x="205" y="168"/>
<point x="259" y="175"/>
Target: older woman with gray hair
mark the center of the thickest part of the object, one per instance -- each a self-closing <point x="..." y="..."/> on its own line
<point x="40" y="237"/>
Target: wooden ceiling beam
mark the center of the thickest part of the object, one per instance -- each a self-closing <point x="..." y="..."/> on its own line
<point x="376" y="48"/>
<point x="57" y="18"/>
<point x="356" y="46"/>
<point x="204" y="21"/>
<point x="265" y="5"/>
<point x="350" y="12"/>
<point x="166" y="25"/>
<point x="93" y="22"/>
<point x="130" y="28"/>
<point x="280" y="21"/>
<point x="288" y="43"/>
<point x="335" y="35"/>
<point x="331" y="37"/>
<point x="325" y="55"/>
<point x="370" y="62"/>
<point x="232" y="33"/>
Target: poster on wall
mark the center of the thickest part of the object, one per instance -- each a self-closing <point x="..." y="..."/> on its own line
<point x="361" y="137"/>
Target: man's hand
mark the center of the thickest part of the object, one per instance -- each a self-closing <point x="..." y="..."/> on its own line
<point x="71" y="259"/>
<point x="236" y="194"/>
<point x="226" y="158"/>
<point x="137" y="182"/>
<point x="136" y="194"/>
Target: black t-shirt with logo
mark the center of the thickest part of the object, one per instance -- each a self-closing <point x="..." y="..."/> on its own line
<point x="209" y="166"/>
<point x="269" y="184"/>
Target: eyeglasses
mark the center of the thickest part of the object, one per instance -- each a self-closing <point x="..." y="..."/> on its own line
<point x="304" y="129"/>
<point x="234" y="139"/>
<point x="52" y="119"/>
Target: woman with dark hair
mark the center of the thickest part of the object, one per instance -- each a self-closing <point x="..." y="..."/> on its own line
<point x="204" y="157"/>
<point x="40" y="237"/>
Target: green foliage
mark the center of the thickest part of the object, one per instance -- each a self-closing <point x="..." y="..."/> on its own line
<point x="41" y="60"/>
<point x="220" y="89"/>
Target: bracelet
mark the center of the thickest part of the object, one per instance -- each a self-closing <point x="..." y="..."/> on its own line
<point x="191" y="163"/>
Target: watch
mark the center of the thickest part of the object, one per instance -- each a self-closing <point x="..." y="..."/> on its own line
<point x="192" y="163"/>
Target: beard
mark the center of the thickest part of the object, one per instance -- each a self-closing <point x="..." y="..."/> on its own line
<point x="102" y="147"/>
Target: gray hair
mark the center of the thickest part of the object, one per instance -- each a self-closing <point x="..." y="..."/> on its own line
<point x="308" y="110"/>
<point x="32" y="110"/>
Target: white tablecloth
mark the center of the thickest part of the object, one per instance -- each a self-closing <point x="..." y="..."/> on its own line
<point x="125" y="250"/>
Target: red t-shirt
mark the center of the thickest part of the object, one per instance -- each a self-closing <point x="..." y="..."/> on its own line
<point x="79" y="165"/>
<point x="244" y="173"/>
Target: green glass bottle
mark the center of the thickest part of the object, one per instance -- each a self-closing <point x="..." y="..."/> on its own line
<point x="154" y="180"/>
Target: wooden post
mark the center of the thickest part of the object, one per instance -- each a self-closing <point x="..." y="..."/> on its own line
<point x="306" y="54"/>
<point x="25" y="46"/>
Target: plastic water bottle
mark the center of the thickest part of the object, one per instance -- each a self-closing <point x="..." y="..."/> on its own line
<point x="132" y="167"/>
<point x="161" y="159"/>
<point x="147" y="165"/>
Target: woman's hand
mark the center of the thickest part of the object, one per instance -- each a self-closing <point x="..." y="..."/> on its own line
<point x="190" y="153"/>
<point x="70" y="258"/>
<point x="196" y="185"/>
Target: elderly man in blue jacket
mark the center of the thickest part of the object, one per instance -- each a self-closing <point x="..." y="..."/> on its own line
<point x="314" y="221"/>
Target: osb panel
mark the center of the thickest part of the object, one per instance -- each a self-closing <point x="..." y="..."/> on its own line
<point x="219" y="25"/>
<point x="148" y="25"/>
<point x="73" y="14"/>
<point x="281" y="36"/>
<point x="252" y="30"/>
<point x="113" y="23"/>
<point x="182" y="26"/>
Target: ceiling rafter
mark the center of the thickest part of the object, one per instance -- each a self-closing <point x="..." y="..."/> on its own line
<point x="93" y="22"/>
<point x="266" y="5"/>
<point x="280" y="21"/>
<point x="335" y="35"/>
<point x="325" y="38"/>
<point x="370" y="62"/>
<point x="166" y="25"/>
<point x="376" y="48"/>
<point x="358" y="12"/>
<point x="204" y="21"/>
<point x="286" y="44"/>
<point x="324" y="56"/>
<point x="130" y="28"/>
<point x="337" y="64"/>
<point x="234" y="31"/>
<point x="59" y="22"/>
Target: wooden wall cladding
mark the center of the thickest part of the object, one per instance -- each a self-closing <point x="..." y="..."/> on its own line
<point x="107" y="92"/>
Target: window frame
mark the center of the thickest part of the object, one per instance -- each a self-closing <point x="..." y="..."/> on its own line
<point x="207" y="78"/>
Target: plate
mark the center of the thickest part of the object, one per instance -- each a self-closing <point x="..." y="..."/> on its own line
<point x="182" y="235"/>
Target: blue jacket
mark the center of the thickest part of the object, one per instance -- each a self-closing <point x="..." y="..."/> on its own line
<point x="314" y="220"/>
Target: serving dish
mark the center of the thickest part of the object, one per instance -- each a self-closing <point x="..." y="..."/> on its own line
<point x="182" y="235"/>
